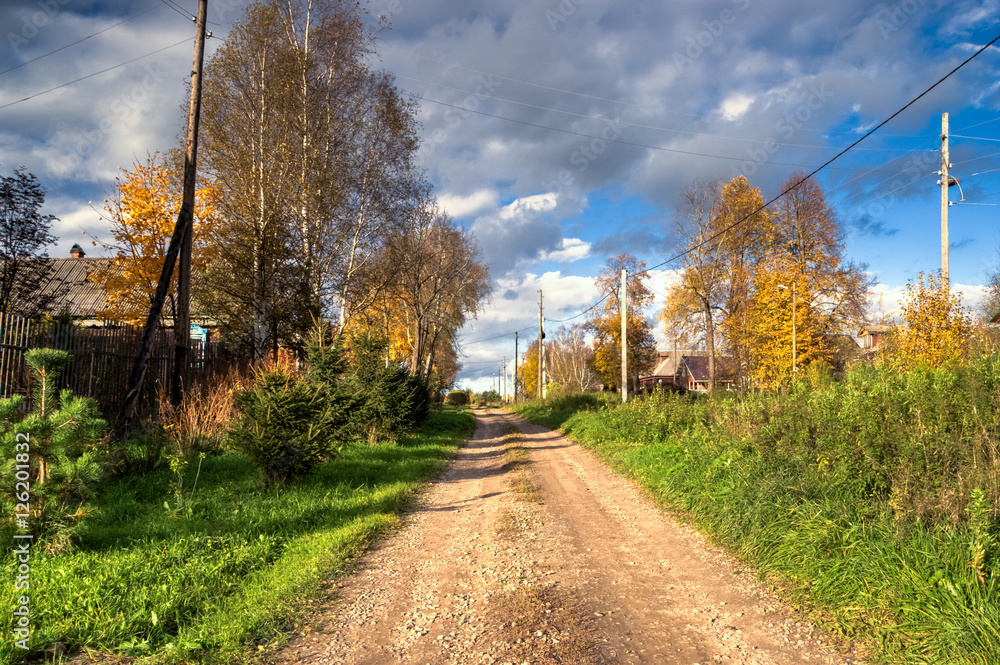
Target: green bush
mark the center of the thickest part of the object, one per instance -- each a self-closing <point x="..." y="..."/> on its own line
<point x="288" y="424"/>
<point x="458" y="398"/>
<point x="874" y="499"/>
<point x="488" y="397"/>
<point x="388" y="399"/>
<point x="62" y="441"/>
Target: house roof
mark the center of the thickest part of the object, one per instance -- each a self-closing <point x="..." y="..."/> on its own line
<point x="66" y="286"/>
<point x="698" y="368"/>
<point x="669" y="361"/>
<point x="874" y="330"/>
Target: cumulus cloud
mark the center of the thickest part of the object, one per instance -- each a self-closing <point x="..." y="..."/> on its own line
<point x="570" y="249"/>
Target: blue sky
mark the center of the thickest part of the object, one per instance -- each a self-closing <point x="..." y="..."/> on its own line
<point x="562" y="131"/>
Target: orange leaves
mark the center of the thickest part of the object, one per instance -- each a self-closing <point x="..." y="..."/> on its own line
<point x="607" y="327"/>
<point x="936" y="329"/>
<point x="142" y="214"/>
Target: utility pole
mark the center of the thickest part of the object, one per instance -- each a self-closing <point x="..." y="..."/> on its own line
<point x="624" y="313"/>
<point x="183" y="230"/>
<point x="794" y="359"/>
<point x="182" y="323"/>
<point x="945" y="183"/>
<point x="541" y="348"/>
<point x="515" y="368"/>
<point x="505" y="378"/>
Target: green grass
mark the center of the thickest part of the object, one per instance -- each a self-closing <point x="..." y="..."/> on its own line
<point x="229" y="573"/>
<point x="872" y="503"/>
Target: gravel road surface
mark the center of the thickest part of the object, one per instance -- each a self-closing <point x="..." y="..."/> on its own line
<point x="529" y="550"/>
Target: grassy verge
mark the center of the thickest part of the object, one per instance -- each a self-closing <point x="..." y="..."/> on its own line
<point x="872" y="502"/>
<point x="224" y="576"/>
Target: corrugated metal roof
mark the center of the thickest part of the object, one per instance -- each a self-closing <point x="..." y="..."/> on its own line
<point x="67" y="286"/>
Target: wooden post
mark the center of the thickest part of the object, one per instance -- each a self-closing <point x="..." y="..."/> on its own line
<point x="541" y="348"/>
<point x="624" y="312"/>
<point x="183" y="226"/>
<point x="944" y="201"/>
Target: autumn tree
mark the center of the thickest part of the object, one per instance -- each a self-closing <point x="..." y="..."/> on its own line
<point x="437" y="282"/>
<point x="606" y="325"/>
<point x="936" y="327"/>
<point x="317" y="178"/>
<point x="723" y="232"/>
<point x="991" y="292"/>
<point x="746" y="233"/>
<point x="24" y="235"/>
<point x="570" y="360"/>
<point x="528" y="372"/>
<point x="142" y="212"/>
<point x="741" y="265"/>
<point x="803" y="267"/>
<point x="694" y="301"/>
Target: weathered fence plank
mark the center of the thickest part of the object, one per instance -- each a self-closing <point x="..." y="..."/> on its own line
<point x="102" y="358"/>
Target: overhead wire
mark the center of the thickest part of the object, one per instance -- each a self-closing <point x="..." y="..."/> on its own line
<point x="80" y="41"/>
<point x="84" y="78"/>
<point x="639" y="125"/>
<point x="828" y="162"/>
<point x="616" y="101"/>
<point x="602" y="138"/>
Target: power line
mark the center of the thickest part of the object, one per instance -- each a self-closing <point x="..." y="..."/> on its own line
<point x="84" y="78"/>
<point x="638" y="125"/>
<point x="487" y="339"/>
<point x="186" y="14"/>
<point x="974" y="138"/>
<point x="576" y="316"/>
<point x="63" y="48"/>
<point x="615" y="101"/>
<point x="828" y="162"/>
<point x="601" y="138"/>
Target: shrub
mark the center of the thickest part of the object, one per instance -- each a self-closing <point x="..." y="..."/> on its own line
<point x="388" y="400"/>
<point x="458" y="398"/>
<point x="288" y="424"/>
<point x="62" y="442"/>
<point x="488" y="396"/>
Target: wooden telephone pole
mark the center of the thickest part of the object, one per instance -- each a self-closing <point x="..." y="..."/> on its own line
<point x="183" y="230"/>
<point x="945" y="184"/>
<point x="541" y="349"/>
<point x="624" y="313"/>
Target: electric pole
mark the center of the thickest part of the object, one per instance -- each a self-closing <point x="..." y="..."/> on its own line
<point x="515" y="368"/>
<point x="181" y="236"/>
<point x="504" y="378"/>
<point x="945" y="183"/>
<point x="624" y="313"/>
<point x="541" y="348"/>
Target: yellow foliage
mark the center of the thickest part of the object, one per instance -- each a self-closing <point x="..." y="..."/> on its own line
<point x="936" y="330"/>
<point x="779" y="291"/>
<point x="142" y="213"/>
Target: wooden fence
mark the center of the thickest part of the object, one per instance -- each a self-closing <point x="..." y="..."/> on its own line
<point x="102" y="358"/>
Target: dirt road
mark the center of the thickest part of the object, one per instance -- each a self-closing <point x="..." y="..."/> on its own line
<point x="529" y="550"/>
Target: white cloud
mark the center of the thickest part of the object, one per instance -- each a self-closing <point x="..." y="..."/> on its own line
<point x="735" y="106"/>
<point x="570" y="249"/>
<point x="468" y="206"/>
